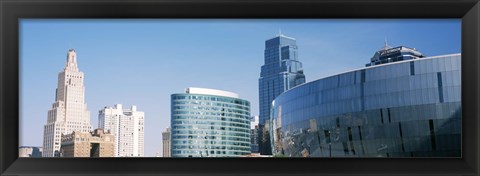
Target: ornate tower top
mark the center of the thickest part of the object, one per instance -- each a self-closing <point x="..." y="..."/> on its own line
<point x="71" y="60"/>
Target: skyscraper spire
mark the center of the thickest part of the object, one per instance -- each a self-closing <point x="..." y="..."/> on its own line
<point x="72" y="60"/>
<point x="280" y="32"/>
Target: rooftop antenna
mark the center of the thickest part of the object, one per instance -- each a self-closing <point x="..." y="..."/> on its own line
<point x="386" y="45"/>
<point x="280" y="32"/>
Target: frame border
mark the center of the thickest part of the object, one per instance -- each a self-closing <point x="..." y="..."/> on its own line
<point x="13" y="10"/>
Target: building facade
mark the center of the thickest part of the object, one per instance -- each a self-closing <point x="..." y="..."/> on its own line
<point x="69" y="111"/>
<point x="209" y="123"/>
<point x="86" y="144"/>
<point x="166" y="142"/>
<point x="30" y="152"/>
<point x="254" y="130"/>
<point x="407" y="108"/>
<point x="281" y="71"/>
<point x="127" y="125"/>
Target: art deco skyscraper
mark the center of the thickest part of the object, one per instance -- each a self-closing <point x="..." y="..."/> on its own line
<point x="69" y="112"/>
<point x="281" y="71"/>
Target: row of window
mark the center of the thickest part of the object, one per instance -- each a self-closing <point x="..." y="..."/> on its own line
<point x="375" y="116"/>
<point x="210" y="108"/>
<point x="213" y="104"/>
<point x="209" y="98"/>
<point x="176" y="147"/>
<point x="213" y="118"/>
<point x="233" y="132"/>
<point x="222" y="135"/>
<point x="210" y="122"/>
<point x="211" y="113"/>
<point x="207" y="127"/>
<point x="222" y="142"/>
<point x="206" y="153"/>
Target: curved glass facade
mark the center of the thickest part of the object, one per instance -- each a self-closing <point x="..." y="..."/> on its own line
<point x="402" y="109"/>
<point x="209" y="126"/>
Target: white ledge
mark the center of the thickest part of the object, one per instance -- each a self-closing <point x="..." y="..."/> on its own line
<point x="196" y="90"/>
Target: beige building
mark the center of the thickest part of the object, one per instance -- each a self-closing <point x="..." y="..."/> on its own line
<point x="85" y="144"/>
<point x="166" y="143"/>
<point x="69" y="112"/>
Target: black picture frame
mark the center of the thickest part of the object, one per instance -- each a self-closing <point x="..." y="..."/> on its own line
<point x="13" y="10"/>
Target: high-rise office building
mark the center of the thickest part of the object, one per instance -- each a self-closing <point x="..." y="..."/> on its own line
<point x="88" y="144"/>
<point x="405" y="107"/>
<point x="69" y="111"/>
<point x="128" y="127"/>
<point x="282" y="70"/>
<point x="166" y="142"/>
<point x="209" y="123"/>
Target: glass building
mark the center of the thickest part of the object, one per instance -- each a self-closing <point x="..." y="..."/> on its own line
<point x="209" y="123"/>
<point x="281" y="71"/>
<point x="407" y="108"/>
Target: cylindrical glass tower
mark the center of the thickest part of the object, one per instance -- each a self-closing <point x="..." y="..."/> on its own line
<point x="209" y="123"/>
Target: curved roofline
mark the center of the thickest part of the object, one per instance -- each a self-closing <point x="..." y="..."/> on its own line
<point x="374" y="66"/>
<point x="206" y="91"/>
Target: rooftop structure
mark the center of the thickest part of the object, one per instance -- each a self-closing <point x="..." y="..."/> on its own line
<point x="388" y="54"/>
<point x="196" y="90"/>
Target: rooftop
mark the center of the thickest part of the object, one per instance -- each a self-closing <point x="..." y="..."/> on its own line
<point x="281" y="35"/>
<point x="196" y="90"/>
<point x="374" y="66"/>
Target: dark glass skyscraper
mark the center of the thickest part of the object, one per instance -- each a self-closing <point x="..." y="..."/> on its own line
<point x="281" y="71"/>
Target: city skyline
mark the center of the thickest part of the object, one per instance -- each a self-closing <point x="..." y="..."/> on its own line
<point x="110" y="56"/>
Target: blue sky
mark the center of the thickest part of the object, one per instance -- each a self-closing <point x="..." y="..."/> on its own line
<point x="143" y="62"/>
